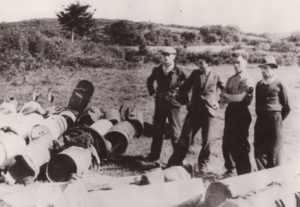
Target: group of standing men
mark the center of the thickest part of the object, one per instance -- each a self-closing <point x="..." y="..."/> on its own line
<point x="172" y="92"/>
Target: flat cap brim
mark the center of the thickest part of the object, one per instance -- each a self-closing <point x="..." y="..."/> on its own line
<point x="272" y="65"/>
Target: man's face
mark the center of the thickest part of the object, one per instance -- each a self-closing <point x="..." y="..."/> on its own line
<point x="203" y="65"/>
<point x="239" y="64"/>
<point x="267" y="72"/>
<point x="169" y="59"/>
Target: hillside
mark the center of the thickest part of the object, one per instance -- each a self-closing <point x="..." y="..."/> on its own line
<point x="41" y="43"/>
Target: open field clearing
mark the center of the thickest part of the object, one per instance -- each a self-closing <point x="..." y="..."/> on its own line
<point x="189" y="49"/>
<point x="114" y="88"/>
<point x="179" y="29"/>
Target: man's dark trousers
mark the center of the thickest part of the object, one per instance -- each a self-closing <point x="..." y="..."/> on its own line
<point x="268" y="139"/>
<point x="235" y="139"/>
<point x="194" y="121"/>
<point x="163" y="111"/>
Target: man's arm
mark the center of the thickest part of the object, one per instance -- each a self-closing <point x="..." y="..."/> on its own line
<point x="256" y="98"/>
<point x="246" y="95"/>
<point x="150" y="82"/>
<point x="235" y="97"/>
<point x="283" y="99"/>
<point x="221" y="84"/>
<point x="183" y="76"/>
<point x="184" y="89"/>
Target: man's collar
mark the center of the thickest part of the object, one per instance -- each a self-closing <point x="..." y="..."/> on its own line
<point x="241" y="73"/>
<point x="206" y="72"/>
<point x="170" y="71"/>
<point x="270" y="80"/>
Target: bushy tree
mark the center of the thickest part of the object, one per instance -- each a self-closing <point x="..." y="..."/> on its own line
<point x="219" y="33"/>
<point x="125" y="32"/>
<point x="283" y="46"/>
<point x="77" y="19"/>
<point x="188" y="37"/>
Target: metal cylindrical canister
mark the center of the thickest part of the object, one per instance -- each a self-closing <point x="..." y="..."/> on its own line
<point x="81" y="96"/>
<point x="37" y="153"/>
<point x="20" y="124"/>
<point x="85" y="120"/>
<point x="2" y="154"/>
<point x="119" y="136"/>
<point x="123" y="113"/>
<point x="11" y="145"/>
<point x="136" y="117"/>
<point x="55" y="124"/>
<point x="102" y="126"/>
<point x="152" y="177"/>
<point x="28" y="122"/>
<point x="27" y="166"/>
<point x="73" y="160"/>
<point x="113" y="115"/>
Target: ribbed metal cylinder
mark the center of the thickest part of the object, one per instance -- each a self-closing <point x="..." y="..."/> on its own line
<point x="119" y="137"/>
<point x="113" y="115"/>
<point x="136" y="117"/>
<point x="102" y="126"/>
<point x="73" y="160"/>
<point x="11" y="145"/>
<point x="37" y="153"/>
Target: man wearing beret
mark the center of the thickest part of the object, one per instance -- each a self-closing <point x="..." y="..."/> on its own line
<point x="168" y="78"/>
<point x="238" y="95"/>
<point x="204" y="84"/>
<point x="272" y="107"/>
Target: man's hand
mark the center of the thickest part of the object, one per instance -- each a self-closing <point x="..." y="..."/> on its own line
<point x="152" y="93"/>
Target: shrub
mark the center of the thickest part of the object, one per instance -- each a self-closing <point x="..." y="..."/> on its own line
<point x="133" y="56"/>
<point x="283" y="46"/>
<point x="35" y="43"/>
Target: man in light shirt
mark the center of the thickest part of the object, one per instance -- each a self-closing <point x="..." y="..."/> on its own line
<point x="238" y="95"/>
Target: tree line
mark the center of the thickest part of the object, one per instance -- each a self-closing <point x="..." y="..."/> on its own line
<point x="77" y="19"/>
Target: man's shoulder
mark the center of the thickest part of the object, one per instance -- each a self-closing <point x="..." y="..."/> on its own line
<point x="178" y="69"/>
<point x="260" y="82"/>
<point x="215" y="74"/>
<point x="247" y="76"/>
<point x="195" y="71"/>
<point x="157" y="67"/>
<point x="244" y="77"/>
<point x="231" y="77"/>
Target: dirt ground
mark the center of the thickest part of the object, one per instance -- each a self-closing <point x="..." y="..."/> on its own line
<point x="114" y="88"/>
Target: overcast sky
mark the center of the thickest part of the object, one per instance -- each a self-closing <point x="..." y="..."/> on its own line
<point x="278" y="16"/>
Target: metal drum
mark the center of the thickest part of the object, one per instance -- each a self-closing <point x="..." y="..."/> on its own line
<point x="73" y="160"/>
<point x="10" y="146"/>
<point x="113" y="115"/>
<point x="119" y="137"/>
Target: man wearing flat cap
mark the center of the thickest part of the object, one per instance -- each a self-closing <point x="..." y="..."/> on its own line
<point x="272" y="107"/>
<point x="168" y="78"/>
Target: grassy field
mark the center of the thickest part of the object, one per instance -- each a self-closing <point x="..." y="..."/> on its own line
<point x="114" y="88"/>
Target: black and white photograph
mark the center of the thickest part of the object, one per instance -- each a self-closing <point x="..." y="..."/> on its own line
<point x="149" y="103"/>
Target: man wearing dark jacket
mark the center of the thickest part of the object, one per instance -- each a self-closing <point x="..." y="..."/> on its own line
<point x="272" y="107"/>
<point x="201" y="112"/>
<point x="168" y="79"/>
